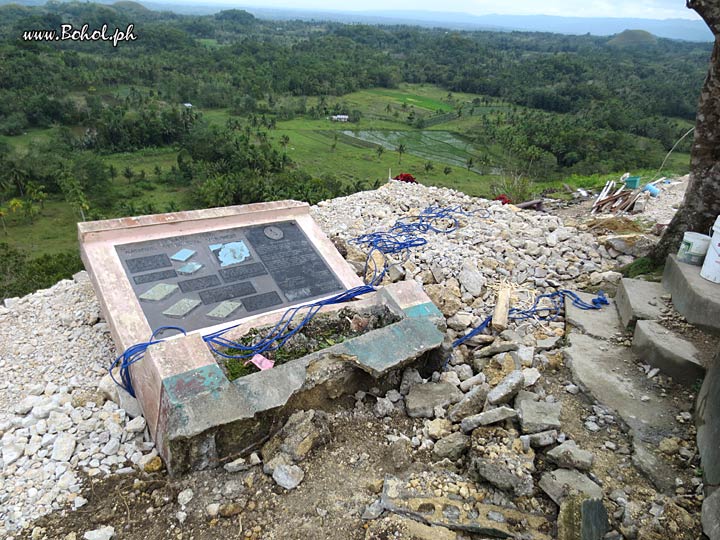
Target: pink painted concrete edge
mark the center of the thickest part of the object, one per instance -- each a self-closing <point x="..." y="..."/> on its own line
<point x="122" y="309"/>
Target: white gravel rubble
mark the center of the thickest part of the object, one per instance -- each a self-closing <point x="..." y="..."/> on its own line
<point x="55" y="426"/>
<point x="495" y="245"/>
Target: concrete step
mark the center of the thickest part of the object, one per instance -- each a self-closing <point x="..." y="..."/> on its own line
<point x="697" y="299"/>
<point x="601" y="323"/>
<point x="664" y="349"/>
<point x="639" y="300"/>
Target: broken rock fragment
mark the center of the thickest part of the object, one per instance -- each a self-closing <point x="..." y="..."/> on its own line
<point x="569" y="455"/>
<point x="538" y="416"/>
<point x="507" y="388"/>
<point x="423" y="398"/>
<point x="561" y="483"/>
<point x="470" y="404"/>
<point x="506" y="465"/>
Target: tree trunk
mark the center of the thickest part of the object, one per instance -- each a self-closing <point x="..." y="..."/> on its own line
<point x="701" y="204"/>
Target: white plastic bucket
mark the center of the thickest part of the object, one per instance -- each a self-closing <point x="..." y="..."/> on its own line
<point x="711" y="267"/>
<point x="693" y="248"/>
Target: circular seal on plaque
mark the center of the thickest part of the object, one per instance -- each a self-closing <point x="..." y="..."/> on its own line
<point x="273" y="232"/>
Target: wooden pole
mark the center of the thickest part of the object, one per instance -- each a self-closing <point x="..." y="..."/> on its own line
<point x="502" y="306"/>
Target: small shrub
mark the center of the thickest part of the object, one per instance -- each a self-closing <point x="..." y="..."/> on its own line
<point x="517" y="187"/>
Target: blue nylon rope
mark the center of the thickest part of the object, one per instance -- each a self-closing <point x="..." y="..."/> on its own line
<point x="406" y="234"/>
<point x="133" y="354"/>
<point x="547" y="313"/>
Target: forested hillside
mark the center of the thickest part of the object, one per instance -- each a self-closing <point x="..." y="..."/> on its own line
<point x="228" y="109"/>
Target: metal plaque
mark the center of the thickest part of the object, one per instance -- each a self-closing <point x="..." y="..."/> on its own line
<point x="201" y="279"/>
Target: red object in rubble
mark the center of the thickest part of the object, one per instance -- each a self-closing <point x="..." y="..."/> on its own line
<point x="503" y="199"/>
<point x="406" y="177"/>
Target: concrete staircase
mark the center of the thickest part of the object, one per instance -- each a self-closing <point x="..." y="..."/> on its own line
<point x="601" y="368"/>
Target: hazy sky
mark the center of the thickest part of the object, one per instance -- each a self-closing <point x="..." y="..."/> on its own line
<point x="647" y="9"/>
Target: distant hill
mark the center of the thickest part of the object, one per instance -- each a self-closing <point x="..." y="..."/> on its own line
<point x="129" y="5"/>
<point x="633" y="38"/>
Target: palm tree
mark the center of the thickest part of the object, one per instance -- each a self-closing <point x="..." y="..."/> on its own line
<point x="128" y="173"/>
<point x="428" y="166"/>
<point x="469" y="163"/>
<point x="17" y="175"/>
<point x="284" y="141"/>
<point x="447" y="170"/>
<point x="401" y="149"/>
<point x="3" y="212"/>
<point x="379" y="150"/>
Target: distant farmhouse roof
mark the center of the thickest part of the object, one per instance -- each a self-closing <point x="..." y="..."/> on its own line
<point x="339" y="118"/>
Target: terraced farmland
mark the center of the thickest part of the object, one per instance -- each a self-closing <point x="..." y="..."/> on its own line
<point x="440" y="146"/>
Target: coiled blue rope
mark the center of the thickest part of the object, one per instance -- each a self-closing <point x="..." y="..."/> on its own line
<point x="404" y="235"/>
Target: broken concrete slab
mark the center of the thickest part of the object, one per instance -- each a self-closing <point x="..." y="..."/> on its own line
<point x="697" y="299"/>
<point x="603" y="323"/>
<point x="582" y="518"/>
<point x="538" y="416"/>
<point x="540" y="439"/>
<point x="648" y="461"/>
<point x="460" y="510"/>
<point x="561" y="483"/>
<point x="570" y="456"/>
<point x="507" y="466"/>
<point x="496" y="347"/>
<point x="662" y="348"/>
<point x="639" y="300"/>
<point x="507" y="388"/>
<point x="451" y="447"/>
<point x="470" y="404"/>
<point x="423" y="398"/>
<point x="486" y="418"/>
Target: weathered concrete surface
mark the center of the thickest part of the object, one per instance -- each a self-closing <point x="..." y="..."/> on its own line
<point x="608" y="373"/>
<point x="603" y="323"/>
<point x="638" y="300"/>
<point x="558" y="484"/>
<point x="664" y="349"/>
<point x="394" y="346"/>
<point x="536" y="416"/>
<point x="697" y="299"/>
<point x="711" y="516"/>
<point x="423" y="398"/>
<point x="450" y="512"/>
<point x="708" y="424"/>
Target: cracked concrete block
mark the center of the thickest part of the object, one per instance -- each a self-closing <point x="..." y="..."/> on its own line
<point x="664" y="349"/>
<point x="639" y="300"/>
